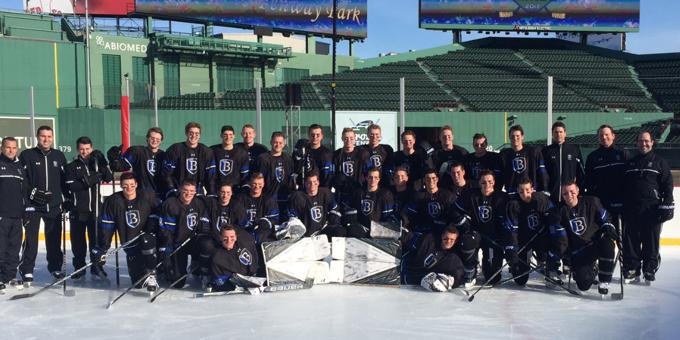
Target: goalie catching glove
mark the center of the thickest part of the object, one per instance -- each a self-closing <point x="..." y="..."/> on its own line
<point x="436" y="282"/>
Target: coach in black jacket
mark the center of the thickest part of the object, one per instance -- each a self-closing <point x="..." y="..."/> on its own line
<point x="563" y="162"/>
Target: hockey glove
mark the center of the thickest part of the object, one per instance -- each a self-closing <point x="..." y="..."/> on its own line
<point x="665" y="212"/>
<point x="98" y="157"/>
<point x="609" y="231"/>
<point x="98" y="257"/>
<point x="66" y="205"/>
<point x="436" y="282"/>
<point x="114" y="153"/>
<point x="426" y="147"/>
<point x="92" y="180"/>
<point x="40" y="197"/>
<point x="511" y="256"/>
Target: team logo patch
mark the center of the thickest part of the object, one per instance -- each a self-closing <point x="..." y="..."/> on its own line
<point x="434" y="209"/>
<point x="151" y="167"/>
<point x="376" y="161"/>
<point x="348" y="168"/>
<point x="223" y="220"/>
<point x="279" y="173"/>
<point x="317" y="213"/>
<point x="55" y="164"/>
<point x="226" y="166"/>
<point x="367" y="206"/>
<point x="519" y="164"/>
<point x="476" y="170"/>
<point x="578" y="225"/>
<point x="569" y="157"/>
<point x="192" y="221"/>
<point x="192" y="165"/>
<point x="532" y="221"/>
<point x="484" y="213"/>
<point x="132" y="218"/>
<point x="430" y="260"/>
<point x="251" y="213"/>
<point x="245" y="258"/>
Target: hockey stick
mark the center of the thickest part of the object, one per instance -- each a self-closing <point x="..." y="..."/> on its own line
<point x="472" y="297"/>
<point x="619" y="244"/>
<point x="115" y="240"/>
<point x="69" y="292"/>
<point x="155" y="296"/>
<point x="149" y="273"/>
<point x="307" y="284"/>
<point x="81" y="269"/>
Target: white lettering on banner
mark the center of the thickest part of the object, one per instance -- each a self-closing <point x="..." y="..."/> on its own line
<point x="359" y="121"/>
<point x="120" y="46"/>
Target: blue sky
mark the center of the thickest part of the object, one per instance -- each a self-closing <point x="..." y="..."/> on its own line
<point x="393" y="27"/>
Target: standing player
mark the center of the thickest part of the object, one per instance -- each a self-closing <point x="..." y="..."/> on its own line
<point x="373" y="204"/>
<point x="277" y="169"/>
<point x="522" y="161"/>
<point x="237" y="254"/>
<point x="648" y="203"/>
<point x="482" y="159"/>
<point x="44" y="167"/>
<point x="13" y="192"/>
<point x="448" y="152"/>
<point x="144" y="161"/>
<point x="320" y="156"/>
<point x="232" y="163"/>
<point x="315" y="207"/>
<point x="189" y="161"/>
<point x="455" y="182"/>
<point x="379" y="155"/>
<point x="415" y="161"/>
<point x="483" y="211"/>
<point x="129" y="213"/>
<point x="590" y="236"/>
<point x="350" y="164"/>
<point x="182" y="217"/>
<point x="83" y="176"/>
<point x="253" y="149"/>
<point x="563" y="162"/>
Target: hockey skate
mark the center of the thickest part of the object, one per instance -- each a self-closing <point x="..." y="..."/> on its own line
<point x="603" y="288"/>
<point x="553" y="279"/>
<point x="631" y="276"/>
<point x="2" y="288"/>
<point x="649" y="278"/>
<point x="28" y="280"/>
<point x="470" y="282"/>
<point x="17" y="284"/>
<point x="150" y="283"/>
<point x="58" y="275"/>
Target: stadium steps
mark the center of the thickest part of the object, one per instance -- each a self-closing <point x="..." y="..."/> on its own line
<point x="319" y="93"/>
<point x="462" y="105"/>
<point x="528" y="62"/>
<point x="644" y="88"/>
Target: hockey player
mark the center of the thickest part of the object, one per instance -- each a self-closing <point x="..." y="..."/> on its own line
<point x="483" y="211"/>
<point x="232" y="163"/>
<point x="83" y="176"/>
<point x="320" y="156"/>
<point x="436" y="265"/>
<point x="315" y="207"/>
<point x="182" y="217"/>
<point x="262" y="212"/>
<point x="237" y="254"/>
<point x="414" y="160"/>
<point x="522" y="160"/>
<point x="379" y="155"/>
<point x="482" y="159"/>
<point x="129" y="213"/>
<point x="44" y="167"/>
<point x="604" y="174"/>
<point x="143" y="161"/>
<point x="13" y="197"/>
<point x="648" y="203"/>
<point x="373" y="204"/>
<point x="529" y="214"/>
<point x="350" y="163"/>
<point x="448" y="152"/>
<point x="590" y="236"/>
<point x="402" y="191"/>
<point x="429" y="211"/>
<point x="277" y="169"/>
<point x="189" y="161"/>
<point x="455" y="181"/>
<point x="563" y="162"/>
<point x="253" y="149"/>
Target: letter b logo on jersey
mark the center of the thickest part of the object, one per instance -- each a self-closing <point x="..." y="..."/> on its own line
<point x="519" y="164"/>
<point x="578" y="225"/>
<point x="376" y="161"/>
<point x="316" y="213"/>
<point x="151" y="167"/>
<point x="279" y="173"/>
<point x="132" y="218"/>
<point x="192" y="221"/>
<point x="251" y="213"/>
<point x="348" y="168"/>
<point x="192" y="165"/>
<point x="532" y="221"/>
<point x="245" y="258"/>
<point x="484" y="213"/>
<point x="434" y="209"/>
<point x="367" y="206"/>
<point x="226" y="166"/>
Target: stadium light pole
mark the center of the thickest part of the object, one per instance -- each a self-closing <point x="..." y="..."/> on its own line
<point x="335" y="31"/>
<point x="87" y="54"/>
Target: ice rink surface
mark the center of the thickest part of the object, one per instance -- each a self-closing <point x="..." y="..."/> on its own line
<point x="345" y="312"/>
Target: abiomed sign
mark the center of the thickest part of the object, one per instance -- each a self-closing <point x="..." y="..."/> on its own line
<point x="120" y="46"/>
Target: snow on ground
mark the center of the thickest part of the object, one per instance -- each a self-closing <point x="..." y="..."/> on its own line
<point x="342" y="312"/>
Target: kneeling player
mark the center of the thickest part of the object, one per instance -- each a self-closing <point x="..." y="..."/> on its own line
<point x="129" y="213"/>
<point x="591" y="237"/>
<point x="237" y="255"/>
<point x="437" y="265"/>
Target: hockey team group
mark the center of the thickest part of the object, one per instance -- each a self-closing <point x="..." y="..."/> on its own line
<point x="200" y="211"/>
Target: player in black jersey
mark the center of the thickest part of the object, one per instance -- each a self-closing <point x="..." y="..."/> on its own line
<point x="436" y="265"/>
<point x="379" y="155"/>
<point x="563" y="162"/>
<point x="277" y="169"/>
<point x="253" y="149"/>
<point x="350" y="163"/>
<point x="521" y="160"/>
<point x="13" y="197"/>
<point x="320" y="156"/>
<point x="237" y="254"/>
<point x="430" y="210"/>
<point x="129" y="213"/>
<point x="315" y="207"/>
<point x="402" y="192"/>
<point x="373" y="204"/>
<point x="448" y="152"/>
<point x="413" y="159"/>
<point x="455" y="181"/>
<point x="182" y="217"/>
<point x="482" y="159"/>
<point x="262" y="212"/>
<point x="143" y="161"/>
<point x="232" y="163"/>
<point x="189" y="161"/>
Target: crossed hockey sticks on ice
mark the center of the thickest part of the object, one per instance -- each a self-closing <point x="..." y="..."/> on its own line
<point x="81" y="269"/>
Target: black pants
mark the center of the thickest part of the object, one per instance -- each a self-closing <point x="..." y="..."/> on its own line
<point x="583" y="263"/>
<point x="492" y="260"/>
<point x="180" y="262"/>
<point x="539" y="248"/>
<point x="52" y="242"/>
<point x="141" y="257"/>
<point x="208" y="247"/>
<point x="10" y="245"/>
<point x="467" y="249"/>
<point x="641" y="242"/>
<point x="80" y="225"/>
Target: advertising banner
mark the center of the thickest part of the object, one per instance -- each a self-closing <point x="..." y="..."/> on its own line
<point x="20" y="128"/>
<point x="95" y="7"/>
<point x="359" y="121"/>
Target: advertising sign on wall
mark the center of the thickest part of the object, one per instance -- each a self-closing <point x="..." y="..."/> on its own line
<point x="359" y="121"/>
